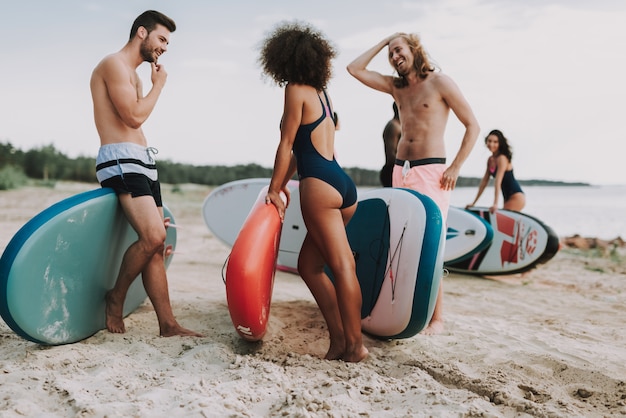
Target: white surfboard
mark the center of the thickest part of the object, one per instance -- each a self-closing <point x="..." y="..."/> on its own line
<point x="225" y="210"/>
<point x="55" y="271"/>
<point x="226" y="207"/>
<point x="520" y="242"/>
<point x="466" y="235"/>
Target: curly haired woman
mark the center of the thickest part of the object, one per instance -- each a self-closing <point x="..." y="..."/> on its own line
<point x="298" y="57"/>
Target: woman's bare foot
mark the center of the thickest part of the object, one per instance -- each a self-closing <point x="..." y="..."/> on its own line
<point x="177" y="330"/>
<point x="435" y="327"/>
<point x="355" y="356"/>
<point x="335" y="351"/>
<point x="114" y="312"/>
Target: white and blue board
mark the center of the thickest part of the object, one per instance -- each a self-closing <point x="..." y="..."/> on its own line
<point x="466" y="235"/>
<point x="225" y="209"/>
<point x="520" y="242"/>
<point x="397" y="236"/>
<point x="56" y="269"/>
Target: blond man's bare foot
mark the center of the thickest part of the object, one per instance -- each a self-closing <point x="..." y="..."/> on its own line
<point x="114" y="312"/>
<point x="435" y="327"/>
<point x="355" y="356"/>
<point x="177" y="330"/>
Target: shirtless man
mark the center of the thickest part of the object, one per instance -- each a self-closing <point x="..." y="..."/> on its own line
<point x="424" y="97"/>
<point x="126" y="164"/>
<point x="391" y="137"/>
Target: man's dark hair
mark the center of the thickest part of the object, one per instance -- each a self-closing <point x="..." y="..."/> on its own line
<point x="149" y="20"/>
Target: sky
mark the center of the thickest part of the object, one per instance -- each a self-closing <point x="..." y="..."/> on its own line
<point x="548" y="73"/>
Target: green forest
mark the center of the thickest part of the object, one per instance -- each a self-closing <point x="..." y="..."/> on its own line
<point x="47" y="165"/>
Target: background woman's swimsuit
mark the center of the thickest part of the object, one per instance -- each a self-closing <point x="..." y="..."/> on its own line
<point x="312" y="164"/>
<point x="510" y="186"/>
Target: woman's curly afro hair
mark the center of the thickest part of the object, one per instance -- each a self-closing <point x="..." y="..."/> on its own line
<point x="297" y="53"/>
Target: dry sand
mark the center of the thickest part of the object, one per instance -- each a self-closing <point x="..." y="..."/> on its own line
<point x="550" y="343"/>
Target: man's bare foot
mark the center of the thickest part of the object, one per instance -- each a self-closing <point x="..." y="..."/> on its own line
<point x="356" y="356"/>
<point x="435" y="327"/>
<point x="177" y="330"/>
<point x="114" y="312"/>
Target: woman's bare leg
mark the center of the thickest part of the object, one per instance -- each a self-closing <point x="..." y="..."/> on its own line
<point x="515" y="202"/>
<point x="327" y="243"/>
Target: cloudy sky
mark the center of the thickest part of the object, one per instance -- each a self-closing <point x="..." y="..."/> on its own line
<point x="548" y="73"/>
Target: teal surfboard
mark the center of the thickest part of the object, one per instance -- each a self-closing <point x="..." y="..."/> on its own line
<point x="55" y="271"/>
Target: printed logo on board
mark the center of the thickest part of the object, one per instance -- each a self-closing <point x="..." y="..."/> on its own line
<point x="523" y="239"/>
<point x="244" y="330"/>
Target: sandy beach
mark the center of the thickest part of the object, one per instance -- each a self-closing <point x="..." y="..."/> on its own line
<point x="549" y="343"/>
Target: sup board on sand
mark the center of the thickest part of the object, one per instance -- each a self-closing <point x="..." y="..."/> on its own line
<point x="251" y="269"/>
<point x="520" y="242"/>
<point x="466" y="235"/>
<point x="55" y="271"/>
<point x="397" y="236"/>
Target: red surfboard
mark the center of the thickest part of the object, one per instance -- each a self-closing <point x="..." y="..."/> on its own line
<point x="251" y="269"/>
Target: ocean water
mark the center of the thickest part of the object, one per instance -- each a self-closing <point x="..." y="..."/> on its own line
<point x="594" y="211"/>
<point x="590" y="211"/>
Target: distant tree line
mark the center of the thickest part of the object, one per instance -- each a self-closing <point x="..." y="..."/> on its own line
<point x="48" y="164"/>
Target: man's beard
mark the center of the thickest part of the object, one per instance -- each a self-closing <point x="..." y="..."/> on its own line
<point x="146" y="53"/>
<point x="403" y="73"/>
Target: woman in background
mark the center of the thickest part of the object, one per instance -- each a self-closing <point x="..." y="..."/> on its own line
<point x="500" y="167"/>
<point x="298" y="57"/>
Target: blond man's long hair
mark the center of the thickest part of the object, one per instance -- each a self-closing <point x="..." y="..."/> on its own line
<point x="421" y="60"/>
